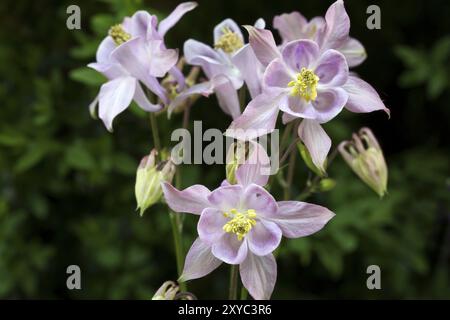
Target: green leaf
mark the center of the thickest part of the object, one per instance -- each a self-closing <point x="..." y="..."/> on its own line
<point x="87" y="76"/>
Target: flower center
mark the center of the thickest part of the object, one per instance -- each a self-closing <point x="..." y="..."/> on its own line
<point x="305" y="85"/>
<point x="229" y="41"/>
<point x="240" y="223"/>
<point x="118" y="34"/>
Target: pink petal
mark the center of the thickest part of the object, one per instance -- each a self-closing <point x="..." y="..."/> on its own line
<point x="167" y="23"/>
<point x="250" y="68"/>
<point x="104" y="50"/>
<point x="228" y="98"/>
<point x="263" y="44"/>
<point x="362" y="97"/>
<point x="329" y="104"/>
<point x="353" y="51"/>
<point x="259" y="199"/>
<point x="199" y="261"/>
<point x="114" y="97"/>
<point x="229" y="249"/>
<point x="226" y="198"/>
<point x="264" y="237"/>
<point x="299" y="219"/>
<point x="139" y="23"/>
<point x="191" y="200"/>
<point x="300" y="53"/>
<point x="210" y="225"/>
<point x="204" y="88"/>
<point x="259" y="275"/>
<point x="258" y="119"/>
<point x="316" y="140"/>
<point x="256" y="168"/>
<point x="290" y="25"/>
<point x="332" y="69"/>
<point x="337" y="26"/>
<point x="277" y="75"/>
<point x="143" y="102"/>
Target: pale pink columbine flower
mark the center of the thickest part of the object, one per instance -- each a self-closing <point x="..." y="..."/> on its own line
<point x="242" y="224"/>
<point x="227" y="65"/>
<point x="133" y="53"/>
<point x="331" y="32"/>
<point x="305" y="81"/>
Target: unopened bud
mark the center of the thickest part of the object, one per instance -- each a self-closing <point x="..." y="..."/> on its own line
<point x="327" y="184"/>
<point x="167" y="291"/>
<point x="364" y="155"/>
<point x="149" y="176"/>
<point x="308" y="161"/>
<point x="235" y="157"/>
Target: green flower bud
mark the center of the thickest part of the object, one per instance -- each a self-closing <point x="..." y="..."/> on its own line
<point x="308" y="161"/>
<point x="235" y="157"/>
<point x="364" y="155"/>
<point x="149" y="176"/>
<point x="167" y="291"/>
<point x="326" y="184"/>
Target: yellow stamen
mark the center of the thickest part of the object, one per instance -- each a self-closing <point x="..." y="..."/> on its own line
<point x="305" y="85"/>
<point x="118" y="34"/>
<point x="240" y="223"/>
<point x="229" y="41"/>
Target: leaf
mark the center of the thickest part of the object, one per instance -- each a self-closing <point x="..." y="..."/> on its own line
<point x="87" y="76"/>
<point x="78" y="157"/>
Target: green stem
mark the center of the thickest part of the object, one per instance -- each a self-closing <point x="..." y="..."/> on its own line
<point x="244" y="293"/>
<point x="233" y="282"/>
<point x="290" y="175"/>
<point x="178" y="242"/>
<point x="155" y="132"/>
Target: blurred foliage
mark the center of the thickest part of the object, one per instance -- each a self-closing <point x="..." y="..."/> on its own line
<point x="67" y="185"/>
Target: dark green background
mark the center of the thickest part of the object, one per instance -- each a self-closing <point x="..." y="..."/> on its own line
<point x="67" y="185"/>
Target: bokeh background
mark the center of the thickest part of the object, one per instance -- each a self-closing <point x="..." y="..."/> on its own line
<point x="67" y="185"/>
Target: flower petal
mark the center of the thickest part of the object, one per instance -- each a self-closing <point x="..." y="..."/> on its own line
<point x="191" y="200"/>
<point x="362" y="97"/>
<point x="258" y="119"/>
<point x="332" y="69"/>
<point x="263" y="44"/>
<point x="259" y="275"/>
<point x="316" y="140"/>
<point x="114" y="97"/>
<point x="228" y="98"/>
<point x="104" y="50"/>
<point x="256" y="168"/>
<point x="230" y="24"/>
<point x="204" y="89"/>
<point x="199" y="261"/>
<point x="337" y="26"/>
<point x="264" y="237"/>
<point x="250" y="68"/>
<point x="229" y="249"/>
<point x="329" y="103"/>
<point x="143" y="102"/>
<point x="226" y="198"/>
<point x="259" y="199"/>
<point x="353" y="51"/>
<point x="300" y="53"/>
<point x="167" y="23"/>
<point x="139" y="23"/>
<point x="141" y="58"/>
<point x="290" y="25"/>
<point x="210" y="225"/>
<point x="277" y="75"/>
<point x="299" y="219"/>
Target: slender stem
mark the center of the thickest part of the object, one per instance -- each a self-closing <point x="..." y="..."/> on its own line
<point x="178" y="243"/>
<point x="186" y="114"/>
<point x="155" y="132"/>
<point x="244" y="293"/>
<point x="233" y="282"/>
<point x="290" y="175"/>
<point x="288" y="150"/>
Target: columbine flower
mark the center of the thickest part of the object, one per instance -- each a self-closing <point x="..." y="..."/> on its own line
<point x="243" y="224"/>
<point x="364" y="155"/>
<point x="149" y="177"/>
<point x="227" y="66"/>
<point x="171" y="291"/>
<point x="330" y="33"/>
<point x="305" y="82"/>
<point x="134" y="52"/>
